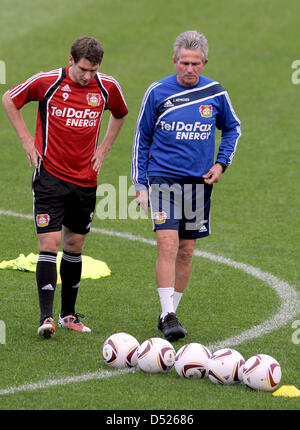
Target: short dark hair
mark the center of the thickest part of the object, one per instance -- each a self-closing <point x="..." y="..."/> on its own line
<point x="89" y="48"/>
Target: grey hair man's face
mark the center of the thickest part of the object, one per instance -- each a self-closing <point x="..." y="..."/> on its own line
<point x="189" y="66"/>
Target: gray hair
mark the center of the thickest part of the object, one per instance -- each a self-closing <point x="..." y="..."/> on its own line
<point x="191" y="40"/>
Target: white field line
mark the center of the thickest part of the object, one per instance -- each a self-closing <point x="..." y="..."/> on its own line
<point x="289" y="308"/>
<point x="103" y="374"/>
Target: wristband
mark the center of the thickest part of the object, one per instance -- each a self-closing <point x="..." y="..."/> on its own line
<point x="224" y="167"/>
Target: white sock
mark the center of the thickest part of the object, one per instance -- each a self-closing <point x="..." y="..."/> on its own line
<point x="176" y="299"/>
<point x="166" y="300"/>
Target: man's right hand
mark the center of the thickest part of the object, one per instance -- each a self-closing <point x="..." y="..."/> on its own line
<point x="141" y="197"/>
<point x="31" y="152"/>
<point x="17" y="121"/>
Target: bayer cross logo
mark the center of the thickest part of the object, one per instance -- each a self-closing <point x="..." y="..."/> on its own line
<point x="205" y="111"/>
<point x="93" y="99"/>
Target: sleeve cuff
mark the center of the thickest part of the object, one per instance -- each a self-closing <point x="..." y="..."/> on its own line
<point x="139" y="187"/>
<point x="224" y="166"/>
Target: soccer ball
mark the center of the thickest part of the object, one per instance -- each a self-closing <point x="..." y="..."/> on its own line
<point x="225" y="367"/>
<point x="120" y="350"/>
<point x="262" y="372"/>
<point x="191" y="361"/>
<point x="156" y="355"/>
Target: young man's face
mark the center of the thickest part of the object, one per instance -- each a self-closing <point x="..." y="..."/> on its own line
<point x="83" y="71"/>
<point x="189" y="67"/>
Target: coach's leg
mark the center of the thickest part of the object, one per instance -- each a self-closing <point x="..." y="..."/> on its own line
<point x="70" y="270"/>
<point x="46" y="272"/>
<point x="183" y="267"/>
<point x="167" y="250"/>
<point x="167" y="247"/>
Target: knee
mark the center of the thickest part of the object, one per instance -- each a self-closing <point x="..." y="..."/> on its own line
<point x="49" y="242"/>
<point x="185" y="253"/>
<point x="167" y="247"/>
<point x="72" y="242"/>
<point x="73" y="245"/>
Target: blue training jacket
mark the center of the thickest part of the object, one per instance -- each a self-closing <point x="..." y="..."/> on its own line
<point x="175" y="131"/>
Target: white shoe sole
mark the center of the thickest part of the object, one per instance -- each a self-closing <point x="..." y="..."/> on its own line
<point x="63" y="325"/>
<point x="46" y="331"/>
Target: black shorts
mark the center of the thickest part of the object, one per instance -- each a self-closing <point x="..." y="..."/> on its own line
<point x="57" y="203"/>
<point x="181" y="204"/>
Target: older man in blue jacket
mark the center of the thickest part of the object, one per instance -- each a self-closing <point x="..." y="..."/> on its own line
<point x="174" y="165"/>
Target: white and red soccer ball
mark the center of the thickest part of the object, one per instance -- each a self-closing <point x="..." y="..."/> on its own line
<point x="191" y="361"/>
<point x="262" y="373"/>
<point x="156" y="355"/>
<point x="120" y="350"/>
<point x="225" y="367"/>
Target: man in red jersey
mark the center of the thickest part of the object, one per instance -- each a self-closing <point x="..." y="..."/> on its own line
<point x="67" y="159"/>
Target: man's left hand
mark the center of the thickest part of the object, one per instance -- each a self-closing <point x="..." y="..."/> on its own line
<point x="214" y="174"/>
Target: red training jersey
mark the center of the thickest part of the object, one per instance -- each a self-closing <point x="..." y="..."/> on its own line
<point x="69" y="119"/>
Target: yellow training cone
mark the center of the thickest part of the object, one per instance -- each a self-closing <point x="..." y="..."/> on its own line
<point x="287" y="391"/>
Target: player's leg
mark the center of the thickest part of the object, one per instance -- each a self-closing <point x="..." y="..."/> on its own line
<point x="77" y="221"/>
<point x="46" y="278"/>
<point x="48" y="215"/>
<point x="70" y="273"/>
<point x="70" y="270"/>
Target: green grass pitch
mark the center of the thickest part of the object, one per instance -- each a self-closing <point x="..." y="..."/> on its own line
<point x="255" y="208"/>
